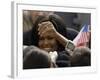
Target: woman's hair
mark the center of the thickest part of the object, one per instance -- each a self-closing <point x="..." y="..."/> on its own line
<point x="34" y="57"/>
<point x="56" y="21"/>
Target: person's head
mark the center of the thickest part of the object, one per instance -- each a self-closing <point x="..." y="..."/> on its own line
<point x="48" y="40"/>
<point x="81" y="57"/>
<point x="34" y="58"/>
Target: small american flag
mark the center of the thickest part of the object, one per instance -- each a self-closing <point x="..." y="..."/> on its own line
<point x="83" y="37"/>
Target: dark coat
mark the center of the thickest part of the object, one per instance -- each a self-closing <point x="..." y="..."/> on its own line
<point x="71" y="33"/>
<point x="63" y="59"/>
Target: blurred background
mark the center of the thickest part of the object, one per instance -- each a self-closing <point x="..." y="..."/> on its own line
<point x="72" y="20"/>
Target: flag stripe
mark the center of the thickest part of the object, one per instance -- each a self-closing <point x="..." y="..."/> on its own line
<point x="83" y="36"/>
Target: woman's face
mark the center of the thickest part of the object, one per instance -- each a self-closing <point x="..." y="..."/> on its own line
<point x="47" y="42"/>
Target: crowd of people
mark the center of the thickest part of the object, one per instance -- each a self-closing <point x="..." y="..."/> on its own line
<point x="49" y="43"/>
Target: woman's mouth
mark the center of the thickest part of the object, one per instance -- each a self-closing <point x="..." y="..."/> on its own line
<point x="47" y="49"/>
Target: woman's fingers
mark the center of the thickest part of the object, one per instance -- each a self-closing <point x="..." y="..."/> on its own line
<point x="44" y="32"/>
<point x="45" y="27"/>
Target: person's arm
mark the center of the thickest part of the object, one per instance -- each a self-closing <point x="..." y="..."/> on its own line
<point x="61" y="39"/>
<point x="47" y="27"/>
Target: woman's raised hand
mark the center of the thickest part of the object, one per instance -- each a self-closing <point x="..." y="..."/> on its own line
<point x="46" y="27"/>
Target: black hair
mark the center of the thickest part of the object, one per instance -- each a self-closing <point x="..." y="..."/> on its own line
<point x="35" y="58"/>
<point x="58" y="24"/>
<point x="81" y="57"/>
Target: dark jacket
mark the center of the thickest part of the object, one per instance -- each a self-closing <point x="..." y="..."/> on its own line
<point x="63" y="59"/>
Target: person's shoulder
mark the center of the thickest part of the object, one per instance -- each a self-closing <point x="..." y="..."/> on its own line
<point x="63" y="59"/>
<point x="73" y="30"/>
<point x="26" y="33"/>
<point x="71" y="33"/>
<point x="27" y="37"/>
<point x="63" y="55"/>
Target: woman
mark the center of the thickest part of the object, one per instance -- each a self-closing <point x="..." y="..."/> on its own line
<point x="49" y="34"/>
